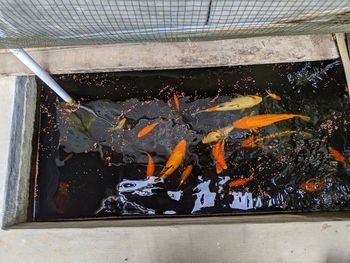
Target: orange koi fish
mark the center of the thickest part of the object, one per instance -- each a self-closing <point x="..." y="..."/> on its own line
<point x="177" y="102"/>
<point x="338" y="156"/>
<point x="312" y="185"/>
<point x="253" y="142"/>
<point x="175" y="159"/>
<point x="68" y="157"/>
<point x="218" y="152"/>
<point x="147" y="129"/>
<point x="239" y="182"/>
<point x="150" y="165"/>
<point x="272" y="95"/>
<point x="185" y="174"/>
<point x="258" y="121"/>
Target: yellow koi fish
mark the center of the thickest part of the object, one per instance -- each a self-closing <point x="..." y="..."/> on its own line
<point x="220" y="134"/>
<point x="176" y="158"/>
<point x="119" y="126"/>
<point x="253" y="142"/>
<point x="238" y="103"/>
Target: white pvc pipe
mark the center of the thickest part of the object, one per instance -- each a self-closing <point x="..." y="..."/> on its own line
<point x="42" y="74"/>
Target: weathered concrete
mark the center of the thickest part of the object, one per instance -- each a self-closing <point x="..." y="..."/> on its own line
<point x="7" y="95"/>
<point x="260" y="50"/>
<point x="22" y="94"/>
<point x="283" y="242"/>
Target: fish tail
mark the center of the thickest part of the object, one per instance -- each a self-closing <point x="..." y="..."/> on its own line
<point x="269" y="94"/>
<point x="219" y="169"/>
<point x="178" y="187"/>
<point x="195" y="113"/>
<point x="304" y="118"/>
<point x="157" y="180"/>
<point x="307" y="135"/>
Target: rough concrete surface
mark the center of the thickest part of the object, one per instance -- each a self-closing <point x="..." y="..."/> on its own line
<point x="19" y="151"/>
<point x="122" y="57"/>
<point x="285" y="242"/>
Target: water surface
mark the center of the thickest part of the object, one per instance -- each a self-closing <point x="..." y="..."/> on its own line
<point x="86" y="170"/>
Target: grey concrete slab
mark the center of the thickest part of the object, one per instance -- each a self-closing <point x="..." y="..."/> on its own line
<point x="247" y="51"/>
<point x="20" y="114"/>
<point x="283" y="242"/>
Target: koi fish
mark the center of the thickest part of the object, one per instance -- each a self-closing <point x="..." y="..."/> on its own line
<point x="238" y="103"/>
<point x="220" y="134"/>
<point x="119" y="126"/>
<point x="253" y="142"/>
<point x="176" y="158"/>
<point x="239" y="182"/>
<point x="257" y="121"/>
<point x="68" y="157"/>
<point x="272" y="95"/>
<point x="150" y="165"/>
<point x="337" y="156"/>
<point x="177" y="102"/>
<point x="218" y="152"/>
<point x="312" y="185"/>
<point x="147" y="129"/>
<point x="62" y="197"/>
<point x="185" y="174"/>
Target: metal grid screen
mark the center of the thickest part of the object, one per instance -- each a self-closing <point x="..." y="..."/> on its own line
<point x="38" y="23"/>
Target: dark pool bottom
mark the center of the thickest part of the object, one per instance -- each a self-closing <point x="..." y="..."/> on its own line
<point x="86" y="169"/>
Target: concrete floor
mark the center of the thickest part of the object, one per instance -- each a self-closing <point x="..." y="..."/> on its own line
<point x="257" y="239"/>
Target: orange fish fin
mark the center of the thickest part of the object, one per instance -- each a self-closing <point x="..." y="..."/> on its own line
<point x="219" y="168"/>
<point x="178" y="187"/>
<point x="304" y="118"/>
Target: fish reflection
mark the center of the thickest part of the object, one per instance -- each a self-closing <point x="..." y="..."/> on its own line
<point x="251" y="141"/>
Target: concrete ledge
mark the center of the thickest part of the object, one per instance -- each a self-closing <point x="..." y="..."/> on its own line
<point x="20" y="94"/>
<point x="122" y="57"/>
<point x="269" y="243"/>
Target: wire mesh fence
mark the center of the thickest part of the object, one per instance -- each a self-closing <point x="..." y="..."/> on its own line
<point x="38" y="23"/>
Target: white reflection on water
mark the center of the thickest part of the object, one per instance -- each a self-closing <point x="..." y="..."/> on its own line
<point x="245" y="201"/>
<point x="175" y="195"/>
<point x="204" y="198"/>
<point x="138" y="187"/>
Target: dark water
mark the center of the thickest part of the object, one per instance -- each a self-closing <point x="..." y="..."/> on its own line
<point x="87" y="170"/>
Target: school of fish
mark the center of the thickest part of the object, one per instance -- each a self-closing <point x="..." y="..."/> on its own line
<point x="216" y="139"/>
